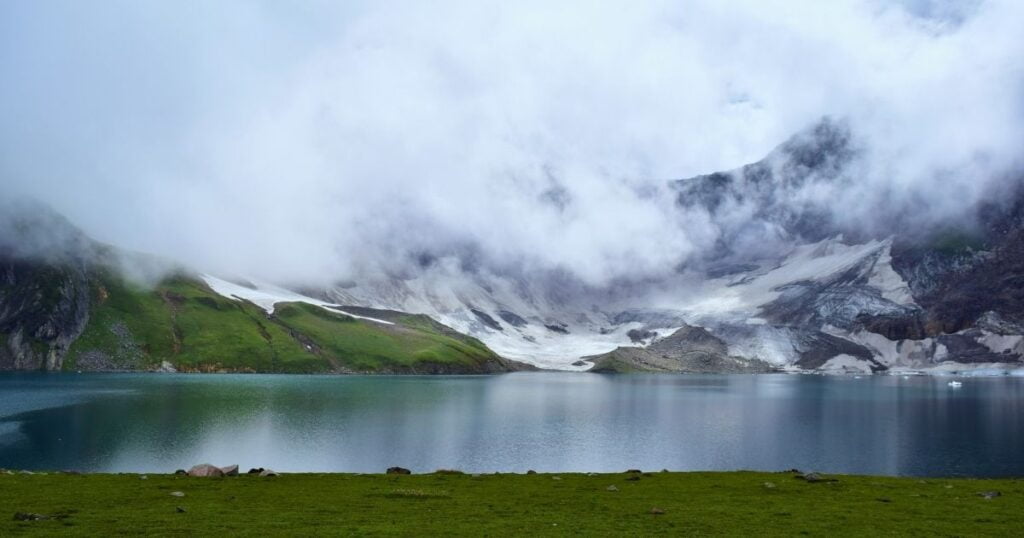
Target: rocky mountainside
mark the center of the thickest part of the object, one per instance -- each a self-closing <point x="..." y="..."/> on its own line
<point x="789" y="285"/>
<point x="45" y="291"/>
<point x="687" y="350"/>
<point x="67" y="304"/>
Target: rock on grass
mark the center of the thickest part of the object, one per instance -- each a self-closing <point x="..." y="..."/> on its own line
<point x="205" y="470"/>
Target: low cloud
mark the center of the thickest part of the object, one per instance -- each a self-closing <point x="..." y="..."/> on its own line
<point x="321" y="142"/>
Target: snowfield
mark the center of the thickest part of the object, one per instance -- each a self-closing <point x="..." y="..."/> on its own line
<point x="266" y="296"/>
<point x="557" y="326"/>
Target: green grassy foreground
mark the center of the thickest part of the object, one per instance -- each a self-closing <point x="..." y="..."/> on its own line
<point x="737" y="503"/>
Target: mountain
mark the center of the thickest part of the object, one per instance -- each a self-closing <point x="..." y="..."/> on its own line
<point x="787" y="286"/>
<point x="687" y="350"/>
<point x="791" y="284"/>
<point x="68" y="303"/>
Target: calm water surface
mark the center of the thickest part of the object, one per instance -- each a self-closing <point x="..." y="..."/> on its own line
<point x="543" y="421"/>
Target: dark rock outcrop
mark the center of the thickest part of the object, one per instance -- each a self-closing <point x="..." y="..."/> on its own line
<point x="816" y="348"/>
<point x="486" y="319"/>
<point x="44" y="287"/>
<point x="640" y="335"/>
<point x="512" y="318"/>
<point x="688" y="350"/>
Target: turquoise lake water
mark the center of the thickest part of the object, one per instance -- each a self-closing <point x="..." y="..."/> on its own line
<point x="510" y="423"/>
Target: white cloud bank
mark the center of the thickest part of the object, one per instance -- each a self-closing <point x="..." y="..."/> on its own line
<point x="311" y="142"/>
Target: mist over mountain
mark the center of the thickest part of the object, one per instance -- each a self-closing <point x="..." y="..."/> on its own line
<point x="320" y="143"/>
<point x="664" y="186"/>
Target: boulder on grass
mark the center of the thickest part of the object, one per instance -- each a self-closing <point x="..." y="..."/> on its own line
<point x="230" y="470"/>
<point x="205" y="470"/>
<point x="398" y="470"/>
<point x="815" y="477"/>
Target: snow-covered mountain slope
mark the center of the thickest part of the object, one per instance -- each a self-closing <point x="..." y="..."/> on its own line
<point x="787" y="283"/>
<point x="799" y="312"/>
<point x="534" y="321"/>
<point x="266" y="296"/>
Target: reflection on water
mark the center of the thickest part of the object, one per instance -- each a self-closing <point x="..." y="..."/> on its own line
<point x="543" y="421"/>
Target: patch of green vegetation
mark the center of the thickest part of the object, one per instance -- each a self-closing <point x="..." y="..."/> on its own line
<point x="38" y="347"/>
<point x="184" y="322"/>
<point x="123" y="314"/>
<point x="612" y="364"/>
<point x="731" y="504"/>
<point x="216" y="332"/>
<point x="427" y="324"/>
<point x="49" y="282"/>
<point x="371" y="346"/>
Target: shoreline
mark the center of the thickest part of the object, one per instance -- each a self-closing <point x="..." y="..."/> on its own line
<point x="942" y="370"/>
<point x="252" y="473"/>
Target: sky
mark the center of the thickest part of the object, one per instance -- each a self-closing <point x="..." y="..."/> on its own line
<point x="318" y="141"/>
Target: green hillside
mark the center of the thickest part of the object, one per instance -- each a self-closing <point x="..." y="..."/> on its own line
<point x="183" y="322"/>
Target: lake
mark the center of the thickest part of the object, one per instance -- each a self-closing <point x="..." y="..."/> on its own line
<point x="511" y="423"/>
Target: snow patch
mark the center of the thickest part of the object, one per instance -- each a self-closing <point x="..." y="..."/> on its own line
<point x="266" y="296"/>
<point x="740" y="296"/>
<point x="1000" y="343"/>
<point x="846" y="364"/>
<point x="887" y="281"/>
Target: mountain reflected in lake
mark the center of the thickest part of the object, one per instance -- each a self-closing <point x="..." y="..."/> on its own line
<point x="544" y="421"/>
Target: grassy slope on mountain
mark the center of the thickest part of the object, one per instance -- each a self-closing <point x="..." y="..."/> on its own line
<point x="622" y="360"/>
<point x="684" y="504"/>
<point x="184" y="322"/>
<point x="367" y="345"/>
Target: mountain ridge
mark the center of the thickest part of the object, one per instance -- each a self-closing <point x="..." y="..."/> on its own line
<point x="69" y="305"/>
<point x="790" y="287"/>
<point x="791" y="284"/>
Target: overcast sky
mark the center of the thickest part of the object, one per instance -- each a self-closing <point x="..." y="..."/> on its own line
<point x="314" y="140"/>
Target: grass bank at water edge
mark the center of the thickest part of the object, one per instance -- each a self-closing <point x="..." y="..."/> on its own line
<point x="626" y="504"/>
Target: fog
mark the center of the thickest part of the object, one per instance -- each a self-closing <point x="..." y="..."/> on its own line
<point x="320" y="141"/>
